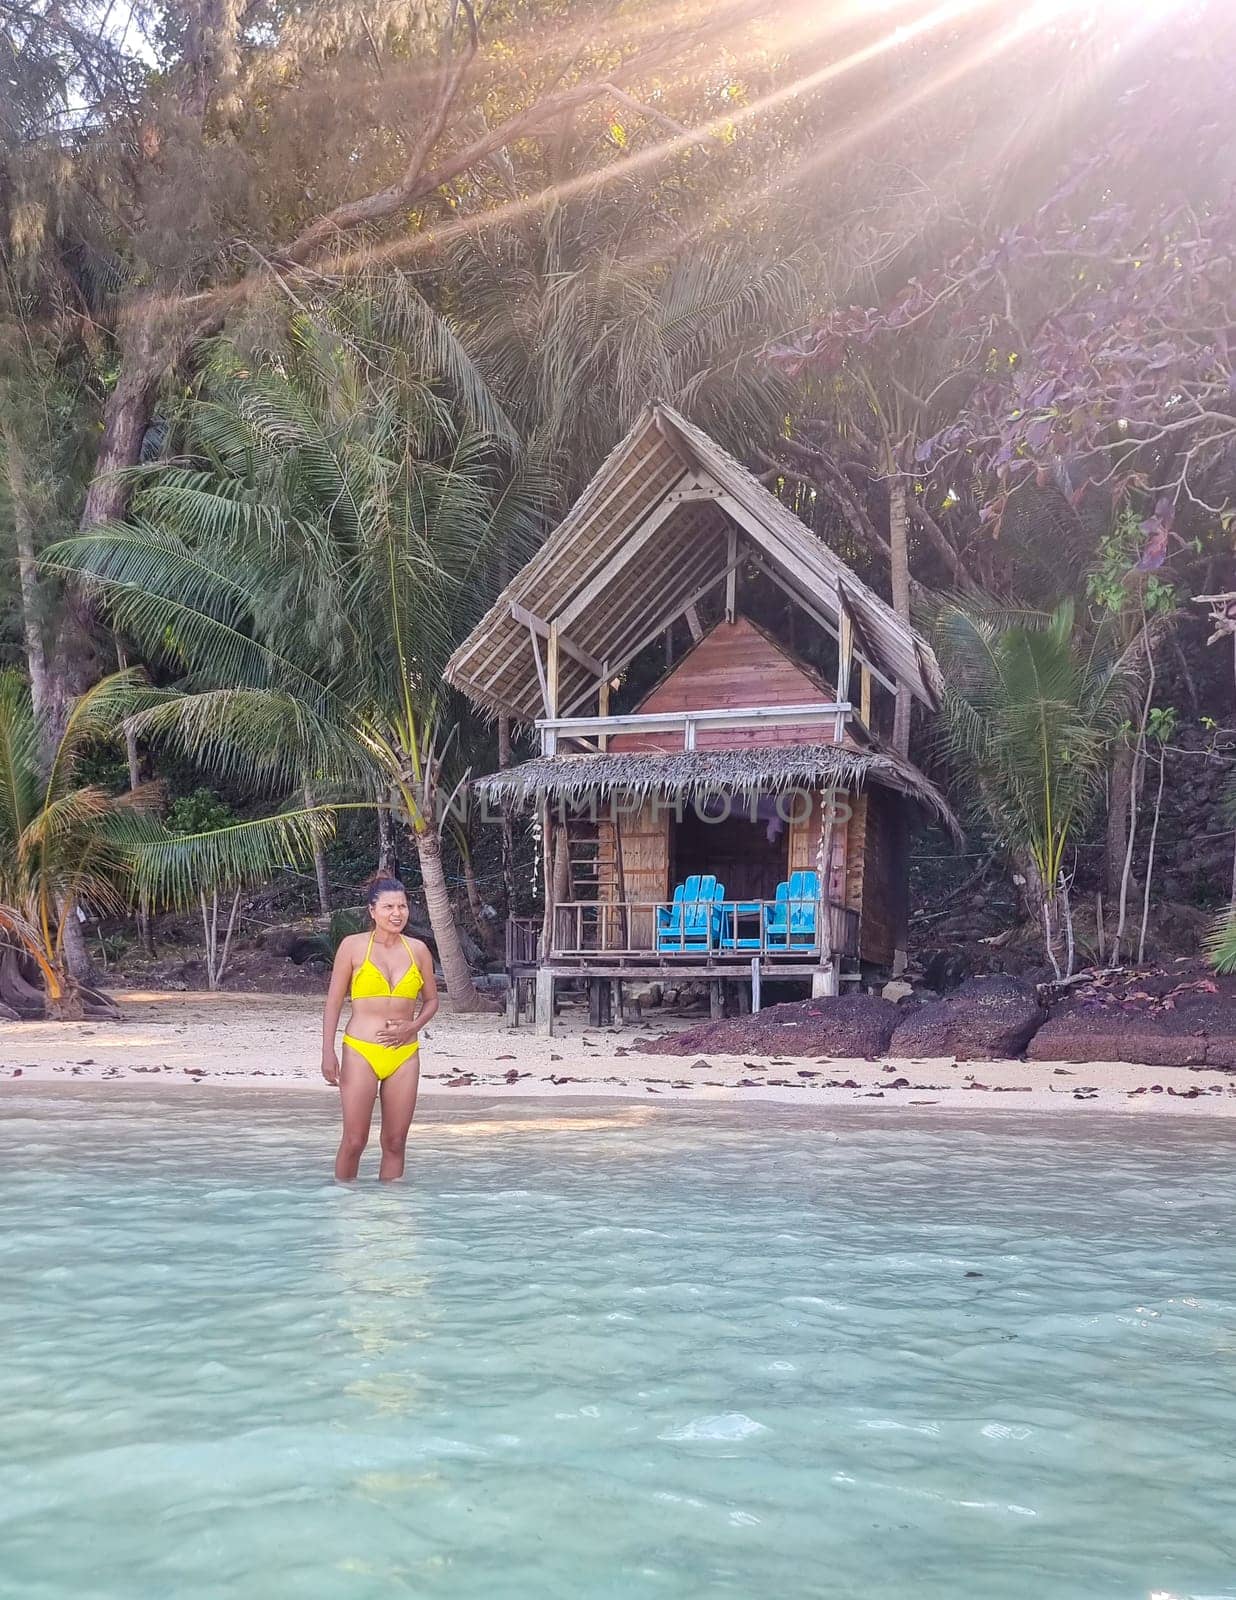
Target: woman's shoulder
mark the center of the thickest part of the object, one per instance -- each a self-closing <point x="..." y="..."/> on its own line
<point x="352" y="944"/>
<point x="421" y="951"/>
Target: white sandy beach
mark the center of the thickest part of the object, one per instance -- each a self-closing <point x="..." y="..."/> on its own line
<point x="272" y="1041"/>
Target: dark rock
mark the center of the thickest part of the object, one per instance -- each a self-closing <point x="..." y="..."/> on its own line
<point x="851" y="1025"/>
<point x="1183" y="1016"/>
<point x="987" y="1019"/>
<point x="945" y="969"/>
<point x="1104" y="1036"/>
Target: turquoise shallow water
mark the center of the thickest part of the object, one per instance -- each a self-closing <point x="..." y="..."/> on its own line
<point x="612" y="1352"/>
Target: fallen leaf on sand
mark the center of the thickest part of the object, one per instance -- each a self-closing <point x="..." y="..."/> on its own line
<point x="506" y="1058"/>
<point x="462" y="1082"/>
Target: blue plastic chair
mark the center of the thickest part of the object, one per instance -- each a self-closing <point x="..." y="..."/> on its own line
<point x="791" y="922"/>
<point x="693" y="922"/>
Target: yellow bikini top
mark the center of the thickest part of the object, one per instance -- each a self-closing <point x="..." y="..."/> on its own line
<point x="369" y="982"/>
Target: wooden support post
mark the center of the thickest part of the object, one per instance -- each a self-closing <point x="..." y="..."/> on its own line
<point x="547" y="878"/>
<point x="603" y="711"/>
<point x="845" y="661"/>
<point x="731" y="574"/>
<point x="825" y="981"/>
<point x="595" y="985"/>
<point x="512" y="1003"/>
<point x="755" y="983"/>
<point x="716" y="999"/>
<point x="553" y="668"/>
<point x="619" y="1004"/>
<point x="544" y="1002"/>
<point x="864" y="693"/>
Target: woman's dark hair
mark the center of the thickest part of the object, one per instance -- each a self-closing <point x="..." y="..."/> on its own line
<point x="381" y="886"/>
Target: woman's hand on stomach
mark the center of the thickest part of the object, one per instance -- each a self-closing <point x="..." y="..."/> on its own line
<point x="385" y="1022"/>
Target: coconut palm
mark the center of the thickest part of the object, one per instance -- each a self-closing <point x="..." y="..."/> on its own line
<point x="308" y="580"/>
<point x="1032" y="708"/>
<point x="575" y="332"/>
<point x="67" y="843"/>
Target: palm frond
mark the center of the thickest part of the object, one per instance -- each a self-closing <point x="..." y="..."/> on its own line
<point x="173" y="869"/>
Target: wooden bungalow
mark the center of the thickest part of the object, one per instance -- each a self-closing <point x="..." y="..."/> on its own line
<point x="755" y="761"/>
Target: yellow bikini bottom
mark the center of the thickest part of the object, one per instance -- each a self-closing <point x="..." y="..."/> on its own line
<point x="383" y="1058"/>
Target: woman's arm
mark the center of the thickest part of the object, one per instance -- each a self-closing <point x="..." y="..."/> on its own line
<point x="429" y="994"/>
<point x="397" y="1033"/>
<point x="340" y="977"/>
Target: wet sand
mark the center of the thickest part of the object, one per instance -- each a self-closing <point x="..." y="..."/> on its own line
<point x="272" y="1041"/>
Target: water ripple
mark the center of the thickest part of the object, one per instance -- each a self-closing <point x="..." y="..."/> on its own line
<point x="677" y="1354"/>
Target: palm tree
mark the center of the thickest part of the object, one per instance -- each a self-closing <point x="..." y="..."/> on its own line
<point x="575" y="331"/>
<point x="309" y="578"/>
<point x="66" y="843"/>
<point x="1032" y="709"/>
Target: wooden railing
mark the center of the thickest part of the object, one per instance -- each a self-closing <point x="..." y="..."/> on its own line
<point x="580" y="730"/>
<point x="737" y="928"/>
<point x="522" y="940"/>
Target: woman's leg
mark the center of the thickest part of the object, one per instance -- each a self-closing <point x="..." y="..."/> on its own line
<point x="358" y="1089"/>
<point x="398" y="1104"/>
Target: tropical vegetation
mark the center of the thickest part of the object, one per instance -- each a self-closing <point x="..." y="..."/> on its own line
<point x="313" y="320"/>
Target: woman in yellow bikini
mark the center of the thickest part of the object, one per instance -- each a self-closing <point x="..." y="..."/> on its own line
<point x="391" y="983"/>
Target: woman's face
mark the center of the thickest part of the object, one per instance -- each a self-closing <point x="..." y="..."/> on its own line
<point x="390" y="912"/>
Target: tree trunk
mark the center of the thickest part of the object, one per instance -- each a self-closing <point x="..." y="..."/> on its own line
<point x="126" y="416"/>
<point x="1117" y="832"/>
<point x="899" y="550"/>
<point x="475" y="904"/>
<point x="1135" y="791"/>
<point x="455" y="970"/>
<point x="76" y="954"/>
<point x="387" y="864"/>
<point x="319" y="864"/>
<point x="144" y="934"/>
<point x="27" y="576"/>
<point x="1154" y="836"/>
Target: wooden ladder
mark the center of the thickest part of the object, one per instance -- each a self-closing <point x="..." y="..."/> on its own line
<point x="594" y="856"/>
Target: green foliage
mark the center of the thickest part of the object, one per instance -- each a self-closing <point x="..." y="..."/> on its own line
<point x="65" y="842"/>
<point x="1116" y="586"/>
<point x="307" y="574"/>
<point x="199" y="812"/>
<point x="1031" y="708"/>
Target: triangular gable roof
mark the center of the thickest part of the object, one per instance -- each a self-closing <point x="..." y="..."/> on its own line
<point x="719" y="668"/>
<point x="655" y="528"/>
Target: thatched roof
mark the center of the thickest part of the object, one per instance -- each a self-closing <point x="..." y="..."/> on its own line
<point x="650" y="533"/>
<point x="769" y="770"/>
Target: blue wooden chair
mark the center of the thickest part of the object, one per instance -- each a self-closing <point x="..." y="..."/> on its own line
<point x="791" y="922"/>
<point x="693" y="922"/>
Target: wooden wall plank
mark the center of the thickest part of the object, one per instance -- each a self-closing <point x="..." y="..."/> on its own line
<point x="735" y="664"/>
